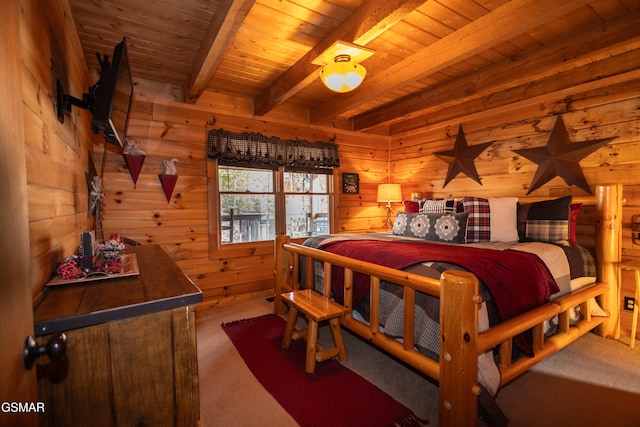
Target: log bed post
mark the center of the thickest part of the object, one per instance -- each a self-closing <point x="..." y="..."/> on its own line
<point x="282" y="270"/>
<point x="608" y="253"/>
<point x="459" y="388"/>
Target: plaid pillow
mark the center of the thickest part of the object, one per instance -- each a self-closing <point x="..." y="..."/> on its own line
<point x="546" y="221"/>
<point x="547" y="230"/>
<point x="479" y="224"/>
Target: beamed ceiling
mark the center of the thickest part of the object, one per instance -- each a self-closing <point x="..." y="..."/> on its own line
<point x="433" y="59"/>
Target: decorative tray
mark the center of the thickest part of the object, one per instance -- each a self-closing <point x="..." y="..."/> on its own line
<point x="129" y="268"/>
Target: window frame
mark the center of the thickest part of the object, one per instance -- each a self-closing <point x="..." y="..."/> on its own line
<point x="214" y="215"/>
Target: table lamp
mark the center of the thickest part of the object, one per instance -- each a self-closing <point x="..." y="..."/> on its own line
<point x="389" y="193"/>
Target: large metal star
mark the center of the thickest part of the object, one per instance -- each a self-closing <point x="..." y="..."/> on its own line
<point x="560" y="157"/>
<point x="461" y="158"/>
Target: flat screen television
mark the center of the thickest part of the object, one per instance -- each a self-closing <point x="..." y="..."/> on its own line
<point x="109" y="100"/>
<point x="112" y="95"/>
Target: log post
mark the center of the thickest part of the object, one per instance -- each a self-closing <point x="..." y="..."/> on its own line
<point x="459" y="388"/>
<point x="281" y="272"/>
<point x="608" y="254"/>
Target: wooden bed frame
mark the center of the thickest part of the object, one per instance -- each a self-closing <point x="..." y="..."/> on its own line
<point x="460" y="343"/>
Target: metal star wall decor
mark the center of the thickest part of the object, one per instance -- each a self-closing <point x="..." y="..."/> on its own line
<point x="461" y="158"/>
<point x="560" y="157"/>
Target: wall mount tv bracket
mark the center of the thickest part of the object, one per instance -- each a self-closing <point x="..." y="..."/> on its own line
<point x="65" y="101"/>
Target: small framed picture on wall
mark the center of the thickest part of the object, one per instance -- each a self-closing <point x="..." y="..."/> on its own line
<point x="350" y="183"/>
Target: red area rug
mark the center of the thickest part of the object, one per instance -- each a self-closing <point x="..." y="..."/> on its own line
<point x="332" y="396"/>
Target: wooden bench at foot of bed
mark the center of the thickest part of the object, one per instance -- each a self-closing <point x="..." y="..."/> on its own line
<point x="460" y="343"/>
<point x="315" y="308"/>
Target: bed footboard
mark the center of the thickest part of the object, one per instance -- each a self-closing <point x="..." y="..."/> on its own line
<point x="456" y="372"/>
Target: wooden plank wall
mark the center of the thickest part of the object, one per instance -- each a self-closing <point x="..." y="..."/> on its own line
<point x="166" y="129"/>
<point x="603" y="113"/>
<point x="56" y="154"/>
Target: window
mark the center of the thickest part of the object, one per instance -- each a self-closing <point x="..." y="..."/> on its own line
<point x="306" y="204"/>
<point x="249" y="199"/>
<point x="247" y="204"/>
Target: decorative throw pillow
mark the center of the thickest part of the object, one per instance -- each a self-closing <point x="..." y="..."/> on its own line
<point x="439" y="227"/>
<point x="546" y="221"/>
<point x="479" y="224"/>
<point x="411" y="206"/>
<point x="573" y="221"/>
<point x="439" y="206"/>
<point x="503" y="219"/>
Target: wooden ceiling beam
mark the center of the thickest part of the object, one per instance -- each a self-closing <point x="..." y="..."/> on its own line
<point x="225" y="24"/>
<point x="511" y="19"/>
<point x="365" y="24"/>
<point x="590" y="45"/>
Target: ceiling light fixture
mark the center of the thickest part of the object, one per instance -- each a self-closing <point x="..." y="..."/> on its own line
<point x="341" y="71"/>
<point x="342" y="75"/>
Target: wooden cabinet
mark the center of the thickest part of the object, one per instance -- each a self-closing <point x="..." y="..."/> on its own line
<point x="131" y="349"/>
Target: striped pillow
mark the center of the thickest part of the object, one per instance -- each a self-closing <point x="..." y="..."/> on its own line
<point x="440" y="206"/>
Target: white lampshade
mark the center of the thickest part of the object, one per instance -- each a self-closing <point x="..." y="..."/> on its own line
<point x="389" y="193"/>
<point x="342" y="75"/>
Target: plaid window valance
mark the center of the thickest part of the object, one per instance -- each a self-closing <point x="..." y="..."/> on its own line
<point x="250" y="149"/>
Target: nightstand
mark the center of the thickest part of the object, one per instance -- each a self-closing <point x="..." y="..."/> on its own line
<point x="635" y="267"/>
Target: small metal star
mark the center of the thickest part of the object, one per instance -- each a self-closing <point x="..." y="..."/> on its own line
<point x="560" y="157"/>
<point x="461" y="158"/>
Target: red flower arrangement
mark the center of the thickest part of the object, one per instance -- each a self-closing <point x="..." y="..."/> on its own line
<point x="108" y="260"/>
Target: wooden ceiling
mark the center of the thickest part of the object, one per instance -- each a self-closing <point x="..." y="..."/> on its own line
<point x="433" y="59"/>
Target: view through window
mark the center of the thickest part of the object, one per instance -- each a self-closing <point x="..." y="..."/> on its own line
<point x="248" y="199"/>
<point x="306" y="204"/>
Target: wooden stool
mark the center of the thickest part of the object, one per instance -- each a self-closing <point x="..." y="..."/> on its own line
<point x="315" y="307"/>
<point x="635" y="267"/>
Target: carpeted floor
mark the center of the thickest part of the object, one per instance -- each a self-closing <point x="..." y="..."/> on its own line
<point x="229" y="394"/>
<point x="553" y="393"/>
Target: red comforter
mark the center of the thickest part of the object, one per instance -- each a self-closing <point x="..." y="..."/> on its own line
<point x="518" y="281"/>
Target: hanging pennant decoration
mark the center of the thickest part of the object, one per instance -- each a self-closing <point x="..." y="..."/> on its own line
<point x="169" y="178"/>
<point x="560" y="157"/>
<point x="134" y="164"/>
<point x="134" y="159"/>
<point x="461" y="158"/>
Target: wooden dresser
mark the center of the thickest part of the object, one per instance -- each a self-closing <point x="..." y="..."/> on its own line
<point x="131" y="348"/>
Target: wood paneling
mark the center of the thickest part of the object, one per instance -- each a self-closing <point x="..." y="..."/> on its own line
<point x="57" y="155"/>
<point x="167" y="129"/>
